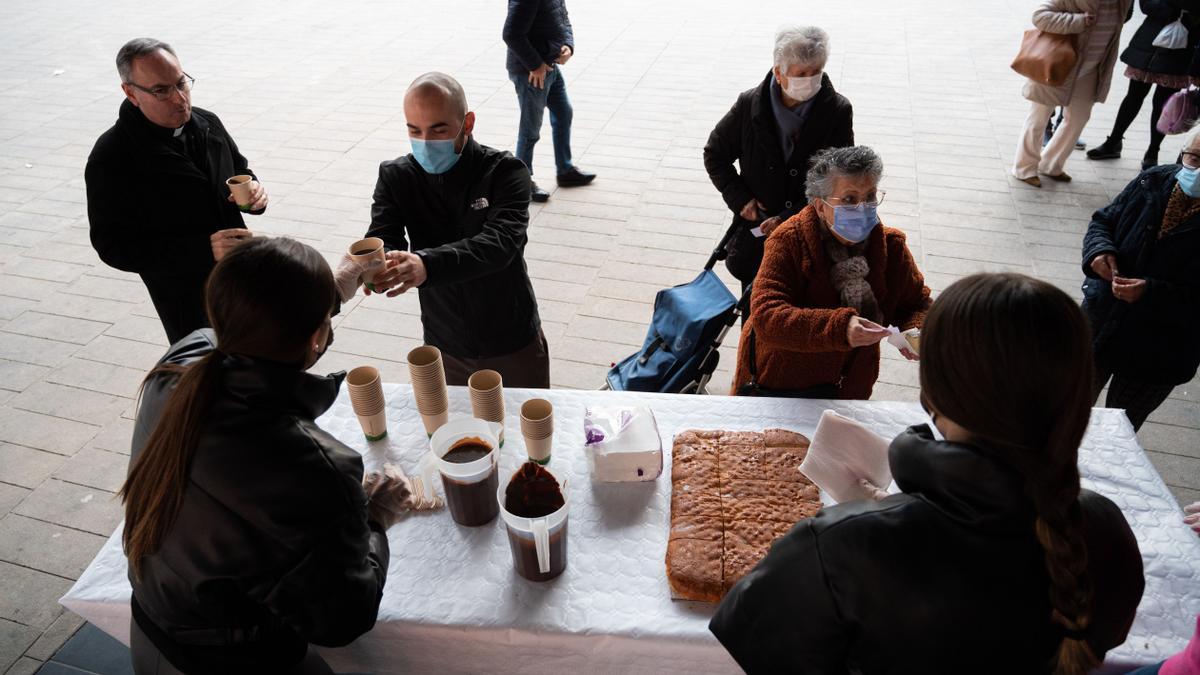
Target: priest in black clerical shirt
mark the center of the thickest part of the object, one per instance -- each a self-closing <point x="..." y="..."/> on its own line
<point x="158" y="204"/>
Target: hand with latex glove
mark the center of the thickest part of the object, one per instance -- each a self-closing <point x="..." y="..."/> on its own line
<point x="391" y="493"/>
<point x="1192" y="519"/>
<point x="872" y="490"/>
<point x="348" y="277"/>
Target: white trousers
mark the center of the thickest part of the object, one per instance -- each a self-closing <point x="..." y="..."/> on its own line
<point x="1032" y="158"/>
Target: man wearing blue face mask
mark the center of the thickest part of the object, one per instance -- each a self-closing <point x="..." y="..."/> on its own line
<point x="453" y="216"/>
<point x="1142" y="292"/>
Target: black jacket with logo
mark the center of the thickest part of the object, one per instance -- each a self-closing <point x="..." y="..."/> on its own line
<point x="469" y="227"/>
<point x="1154" y="339"/>
<point x="152" y="204"/>
<point x="749" y="135"/>
<point x="947" y="577"/>
<point x="272" y="548"/>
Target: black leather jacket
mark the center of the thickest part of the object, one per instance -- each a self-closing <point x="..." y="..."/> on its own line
<point x="945" y="578"/>
<point x="272" y="548"/>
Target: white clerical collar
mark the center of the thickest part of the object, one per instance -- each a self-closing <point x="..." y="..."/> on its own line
<point x="178" y="132"/>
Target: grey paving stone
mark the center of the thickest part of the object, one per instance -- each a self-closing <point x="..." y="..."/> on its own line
<point x="30" y="597"/>
<point x="76" y="506"/>
<point x="15" y="638"/>
<point x="80" y="405"/>
<point x="34" y="430"/>
<point x="59" y="632"/>
<point x="1177" y="470"/>
<point x="24" y="666"/>
<point x="16" y="376"/>
<point x="94" y="467"/>
<point x="115" y="437"/>
<point x="101" y="377"/>
<point x="36" y="544"/>
<point x="26" y="467"/>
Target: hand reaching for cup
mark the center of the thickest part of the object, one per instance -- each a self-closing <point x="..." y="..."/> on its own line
<point x="863" y="333"/>
<point x="347" y="277"/>
<point x="223" y="241"/>
<point x="404" y="271"/>
<point x="390" y="495"/>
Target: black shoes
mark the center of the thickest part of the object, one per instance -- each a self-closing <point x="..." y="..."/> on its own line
<point x="537" y="194"/>
<point x="1109" y="149"/>
<point x="1149" y="159"/>
<point x="574" y="177"/>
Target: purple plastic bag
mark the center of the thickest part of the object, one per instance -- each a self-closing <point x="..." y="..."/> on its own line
<point x="1180" y="112"/>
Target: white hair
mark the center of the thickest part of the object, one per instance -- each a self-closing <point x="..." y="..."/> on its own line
<point x="801" y="46"/>
<point x="1191" y="137"/>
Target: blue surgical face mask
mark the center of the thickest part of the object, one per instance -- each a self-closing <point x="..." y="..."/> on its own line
<point x="854" y="223"/>
<point x="1188" y="178"/>
<point x="435" y="156"/>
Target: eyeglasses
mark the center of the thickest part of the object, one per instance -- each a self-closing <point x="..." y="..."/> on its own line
<point x="1190" y="159"/>
<point x="873" y="199"/>
<point x="183" y="86"/>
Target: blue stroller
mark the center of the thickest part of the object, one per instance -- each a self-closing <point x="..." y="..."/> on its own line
<point x="681" y="350"/>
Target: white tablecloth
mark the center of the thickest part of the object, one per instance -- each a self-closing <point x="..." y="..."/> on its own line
<point x="453" y="603"/>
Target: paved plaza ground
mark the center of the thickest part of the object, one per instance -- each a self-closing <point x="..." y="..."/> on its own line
<point x="311" y="92"/>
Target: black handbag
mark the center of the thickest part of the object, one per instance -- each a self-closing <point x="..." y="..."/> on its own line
<point x="744" y="251"/>
<point x="753" y="388"/>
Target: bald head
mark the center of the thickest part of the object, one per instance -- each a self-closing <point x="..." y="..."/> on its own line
<point x="438" y="89"/>
<point x="435" y="108"/>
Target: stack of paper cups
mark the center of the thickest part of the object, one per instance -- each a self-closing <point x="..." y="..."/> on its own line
<point x="537" y="426"/>
<point x="487" y="395"/>
<point x="366" y="397"/>
<point x="429" y="386"/>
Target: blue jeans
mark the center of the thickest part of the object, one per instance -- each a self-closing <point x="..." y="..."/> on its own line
<point x="1147" y="670"/>
<point x="533" y="102"/>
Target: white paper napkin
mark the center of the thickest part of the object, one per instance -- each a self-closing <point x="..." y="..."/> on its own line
<point x="842" y="454"/>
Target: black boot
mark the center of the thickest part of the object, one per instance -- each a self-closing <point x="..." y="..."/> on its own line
<point x="1109" y="149"/>
<point x="1150" y="159"/>
<point x="537" y="194"/>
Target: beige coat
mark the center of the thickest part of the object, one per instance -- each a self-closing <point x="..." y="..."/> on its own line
<point x="1066" y="17"/>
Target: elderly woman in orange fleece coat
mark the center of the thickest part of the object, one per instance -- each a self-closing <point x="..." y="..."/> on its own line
<point x="832" y="279"/>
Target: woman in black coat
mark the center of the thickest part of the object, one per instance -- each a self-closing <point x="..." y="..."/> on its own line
<point x="992" y="560"/>
<point x="248" y="529"/>
<point x="771" y="132"/>
<point x="1148" y="66"/>
<point x="1142" y="292"/>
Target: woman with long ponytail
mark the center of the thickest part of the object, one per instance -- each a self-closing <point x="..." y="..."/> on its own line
<point x="247" y="529"/>
<point x="992" y="559"/>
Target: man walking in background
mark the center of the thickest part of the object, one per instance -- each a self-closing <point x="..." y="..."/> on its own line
<point x="539" y="38"/>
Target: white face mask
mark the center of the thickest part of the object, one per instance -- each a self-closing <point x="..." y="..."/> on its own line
<point x="802" y="88"/>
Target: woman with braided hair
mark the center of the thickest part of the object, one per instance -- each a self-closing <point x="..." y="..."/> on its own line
<point x="992" y="559"/>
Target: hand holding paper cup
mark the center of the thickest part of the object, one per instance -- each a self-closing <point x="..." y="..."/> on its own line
<point x="239" y="187"/>
<point x="371" y="258"/>
<point x="366" y="397"/>
<point x="847" y="460"/>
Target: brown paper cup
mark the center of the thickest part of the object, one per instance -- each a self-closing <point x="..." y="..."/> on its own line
<point x="239" y="186"/>
<point x="434" y="422"/>
<point x="538" y="449"/>
<point x="428" y="380"/>
<point x="366" y="390"/>
<point x="374" y="426"/>
<point x="487" y="395"/>
<point x="370" y="256"/>
<point x="537" y="418"/>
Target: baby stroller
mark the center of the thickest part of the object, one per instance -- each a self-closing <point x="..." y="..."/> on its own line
<point x="689" y="323"/>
